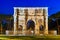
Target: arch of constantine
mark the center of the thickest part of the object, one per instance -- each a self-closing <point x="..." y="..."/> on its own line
<point x="30" y="20"/>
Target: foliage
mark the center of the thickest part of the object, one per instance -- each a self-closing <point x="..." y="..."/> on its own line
<point x="53" y="23"/>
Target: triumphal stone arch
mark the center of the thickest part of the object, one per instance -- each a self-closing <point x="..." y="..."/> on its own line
<point x="30" y="20"/>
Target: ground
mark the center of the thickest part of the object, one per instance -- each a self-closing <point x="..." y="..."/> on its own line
<point x="56" y="37"/>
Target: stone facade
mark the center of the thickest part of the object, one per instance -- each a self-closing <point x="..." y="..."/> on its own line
<point x="38" y="14"/>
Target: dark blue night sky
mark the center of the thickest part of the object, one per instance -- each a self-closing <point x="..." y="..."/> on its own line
<point x="6" y="6"/>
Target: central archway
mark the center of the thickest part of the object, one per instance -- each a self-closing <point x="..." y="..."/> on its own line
<point x="30" y="25"/>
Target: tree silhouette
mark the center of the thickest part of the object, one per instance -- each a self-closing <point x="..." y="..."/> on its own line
<point x="52" y="24"/>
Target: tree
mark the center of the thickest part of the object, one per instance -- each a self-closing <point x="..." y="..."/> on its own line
<point x="52" y="24"/>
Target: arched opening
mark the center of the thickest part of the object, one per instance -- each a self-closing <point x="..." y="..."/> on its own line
<point x="30" y="25"/>
<point x="20" y="28"/>
<point x="41" y="26"/>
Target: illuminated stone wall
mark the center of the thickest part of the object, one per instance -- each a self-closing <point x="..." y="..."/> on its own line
<point x="38" y="15"/>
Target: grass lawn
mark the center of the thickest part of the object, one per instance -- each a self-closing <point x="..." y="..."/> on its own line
<point x="30" y="37"/>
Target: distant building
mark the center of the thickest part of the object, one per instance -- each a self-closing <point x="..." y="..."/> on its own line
<point x="33" y="16"/>
<point x="5" y="23"/>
